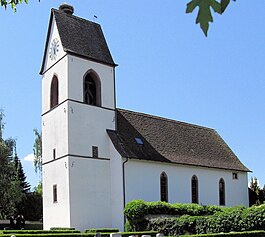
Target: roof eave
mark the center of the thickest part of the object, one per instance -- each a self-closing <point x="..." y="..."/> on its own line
<point x="46" y="43"/>
<point x="71" y="52"/>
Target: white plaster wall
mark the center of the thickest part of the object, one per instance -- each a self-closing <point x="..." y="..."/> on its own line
<point x="90" y="202"/>
<point x="56" y="214"/>
<point x="78" y="68"/>
<point x="116" y="161"/>
<point x="143" y="182"/>
<point x="60" y="70"/>
<point x="87" y="128"/>
<point x="55" y="133"/>
<point x="54" y="34"/>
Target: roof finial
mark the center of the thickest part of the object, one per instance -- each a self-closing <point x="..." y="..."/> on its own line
<point x="67" y="8"/>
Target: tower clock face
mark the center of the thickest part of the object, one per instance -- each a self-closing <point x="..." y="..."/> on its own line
<point x="54" y="49"/>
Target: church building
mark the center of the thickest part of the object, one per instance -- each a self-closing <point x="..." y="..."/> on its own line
<point x="97" y="158"/>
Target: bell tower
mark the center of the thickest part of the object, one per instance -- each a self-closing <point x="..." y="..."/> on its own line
<point x="78" y="106"/>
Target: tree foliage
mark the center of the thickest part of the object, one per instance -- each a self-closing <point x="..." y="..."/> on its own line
<point x="258" y="193"/>
<point x="204" y="16"/>
<point x="10" y="189"/>
<point x="37" y="150"/>
<point x="21" y="177"/>
<point x="12" y="3"/>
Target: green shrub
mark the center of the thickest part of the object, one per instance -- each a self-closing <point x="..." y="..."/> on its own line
<point x="136" y="211"/>
<point x="28" y="226"/>
<point x="128" y="227"/>
<point x="102" y="230"/>
<point x="62" y="228"/>
<point x="46" y="235"/>
<point x="232" y="234"/>
<point x="193" y="218"/>
<point x="39" y="231"/>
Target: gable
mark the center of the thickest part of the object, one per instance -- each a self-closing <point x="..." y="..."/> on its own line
<point x="53" y="43"/>
<point x="171" y="141"/>
<point x="79" y="37"/>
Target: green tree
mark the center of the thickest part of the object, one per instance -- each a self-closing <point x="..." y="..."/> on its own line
<point x="38" y="188"/>
<point x="254" y="186"/>
<point x="37" y="150"/>
<point x="259" y="192"/>
<point x="10" y="190"/>
<point x="21" y="175"/>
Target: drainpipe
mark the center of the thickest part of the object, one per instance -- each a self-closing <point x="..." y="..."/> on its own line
<point x="123" y="176"/>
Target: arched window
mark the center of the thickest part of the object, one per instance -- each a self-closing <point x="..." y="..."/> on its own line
<point x="54" y="92"/>
<point x="194" y="189"/>
<point x="221" y="192"/>
<point x="92" y="90"/>
<point x="163" y="187"/>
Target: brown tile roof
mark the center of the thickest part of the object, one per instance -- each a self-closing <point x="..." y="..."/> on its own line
<point x="80" y="37"/>
<point x="171" y="141"/>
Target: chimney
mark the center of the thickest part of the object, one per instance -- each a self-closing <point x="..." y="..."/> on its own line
<point x="68" y="9"/>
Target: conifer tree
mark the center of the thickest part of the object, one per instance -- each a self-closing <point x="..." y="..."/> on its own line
<point x="21" y="175"/>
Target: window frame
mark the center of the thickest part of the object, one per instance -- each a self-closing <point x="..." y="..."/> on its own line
<point x="54" y="92"/>
<point x="221" y="187"/>
<point x="92" y="75"/>
<point x="194" y="189"/>
<point x="163" y="187"/>
<point x="55" y="193"/>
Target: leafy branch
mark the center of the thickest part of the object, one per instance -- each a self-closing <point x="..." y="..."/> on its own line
<point x="12" y="3"/>
<point x="205" y="14"/>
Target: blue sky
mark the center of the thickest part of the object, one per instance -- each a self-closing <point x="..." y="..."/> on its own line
<point x="167" y="67"/>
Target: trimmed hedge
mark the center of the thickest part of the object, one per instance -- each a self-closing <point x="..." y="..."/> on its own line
<point x="45" y="235"/>
<point x="102" y="230"/>
<point x="230" y="219"/>
<point x="233" y="234"/>
<point x="136" y="211"/>
<point x="62" y="228"/>
<point x="28" y="232"/>
<point x="28" y="226"/>
<point x="124" y="234"/>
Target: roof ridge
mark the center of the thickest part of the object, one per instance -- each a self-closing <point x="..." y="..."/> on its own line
<point x="74" y="16"/>
<point x="166" y="119"/>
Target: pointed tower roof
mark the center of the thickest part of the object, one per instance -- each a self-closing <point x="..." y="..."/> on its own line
<point x="79" y="37"/>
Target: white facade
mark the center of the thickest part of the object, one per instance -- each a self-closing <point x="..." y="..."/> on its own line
<point x="145" y="184"/>
<point x="90" y="191"/>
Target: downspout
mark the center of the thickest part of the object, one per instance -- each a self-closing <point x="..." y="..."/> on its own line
<point x="123" y="177"/>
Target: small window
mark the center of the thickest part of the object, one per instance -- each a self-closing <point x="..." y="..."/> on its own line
<point x="54" y="153"/>
<point x="55" y="193"/>
<point x="54" y="93"/>
<point x="221" y="192"/>
<point x="235" y="175"/>
<point x="194" y="189"/>
<point x="163" y="187"/>
<point x="139" y="141"/>
<point x="95" y="151"/>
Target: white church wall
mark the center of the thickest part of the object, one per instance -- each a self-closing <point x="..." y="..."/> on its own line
<point x="78" y="67"/>
<point x="143" y="182"/>
<point x="87" y="128"/>
<point x="55" y="133"/>
<point x="90" y="204"/>
<point x="56" y="214"/>
<point x="117" y="202"/>
<point x="60" y="70"/>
